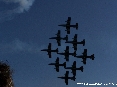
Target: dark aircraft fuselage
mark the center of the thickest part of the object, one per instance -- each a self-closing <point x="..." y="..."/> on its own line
<point x="67" y="25"/>
<point x="66" y="77"/>
<point x="56" y="64"/>
<point x="74" y="42"/>
<point x="67" y="53"/>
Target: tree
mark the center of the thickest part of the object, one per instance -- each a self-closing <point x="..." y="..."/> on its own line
<point x="5" y="75"/>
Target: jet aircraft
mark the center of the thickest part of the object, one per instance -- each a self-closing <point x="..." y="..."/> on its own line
<point x="66" y="77"/>
<point x="84" y="56"/>
<point x="49" y="50"/>
<point x="74" y="42"/>
<point x="66" y="53"/>
<point x="57" y="64"/>
<point x="73" y="68"/>
<point x="59" y="38"/>
<point x="67" y="25"/>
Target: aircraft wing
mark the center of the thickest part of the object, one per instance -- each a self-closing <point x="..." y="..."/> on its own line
<point x="49" y="46"/>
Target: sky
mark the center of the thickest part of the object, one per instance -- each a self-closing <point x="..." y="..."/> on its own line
<point x="27" y="25"/>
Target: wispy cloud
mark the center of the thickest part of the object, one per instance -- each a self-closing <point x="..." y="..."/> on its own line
<point x="17" y="46"/>
<point x="23" y="5"/>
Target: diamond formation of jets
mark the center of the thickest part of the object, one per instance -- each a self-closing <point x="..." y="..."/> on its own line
<point x="66" y="77"/>
<point x="84" y="56"/>
<point x="59" y="38"/>
<point x="74" y="42"/>
<point x="66" y="52"/>
<point x="57" y="64"/>
<point x="49" y="50"/>
<point x="68" y="25"/>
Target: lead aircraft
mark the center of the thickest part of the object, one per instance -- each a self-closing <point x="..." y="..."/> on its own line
<point x="59" y="38"/>
<point x="57" y="64"/>
<point x="49" y="50"/>
<point x="68" y="25"/>
<point x="66" y="77"/>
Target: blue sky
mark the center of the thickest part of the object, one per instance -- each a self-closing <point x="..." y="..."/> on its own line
<point x="25" y="29"/>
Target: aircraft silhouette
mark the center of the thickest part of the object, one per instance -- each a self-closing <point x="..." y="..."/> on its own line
<point x="67" y="25"/>
<point x="84" y="56"/>
<point x="74" y="42"/>
<point x="73" y="68"/>
<point x="57" y="64"/>
<point x="66" y="77"/>
<point x="49" y="50"/>
<point x="66" y="53"/>
<point x="59" y="38"/>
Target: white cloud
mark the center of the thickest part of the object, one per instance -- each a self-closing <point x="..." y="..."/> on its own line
<point x="23" y="5"/>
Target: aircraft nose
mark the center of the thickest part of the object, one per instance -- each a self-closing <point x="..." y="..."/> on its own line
<point x="58" y="77"/>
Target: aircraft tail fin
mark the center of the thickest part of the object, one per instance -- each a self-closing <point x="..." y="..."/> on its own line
<point x="64" y="64"/>
<point x="76" y="26"/>
<point x="57" y="50"/>
<point x="92" y="56"/>
<point x="81" y="68"/>
<point x="83" y="42"/>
